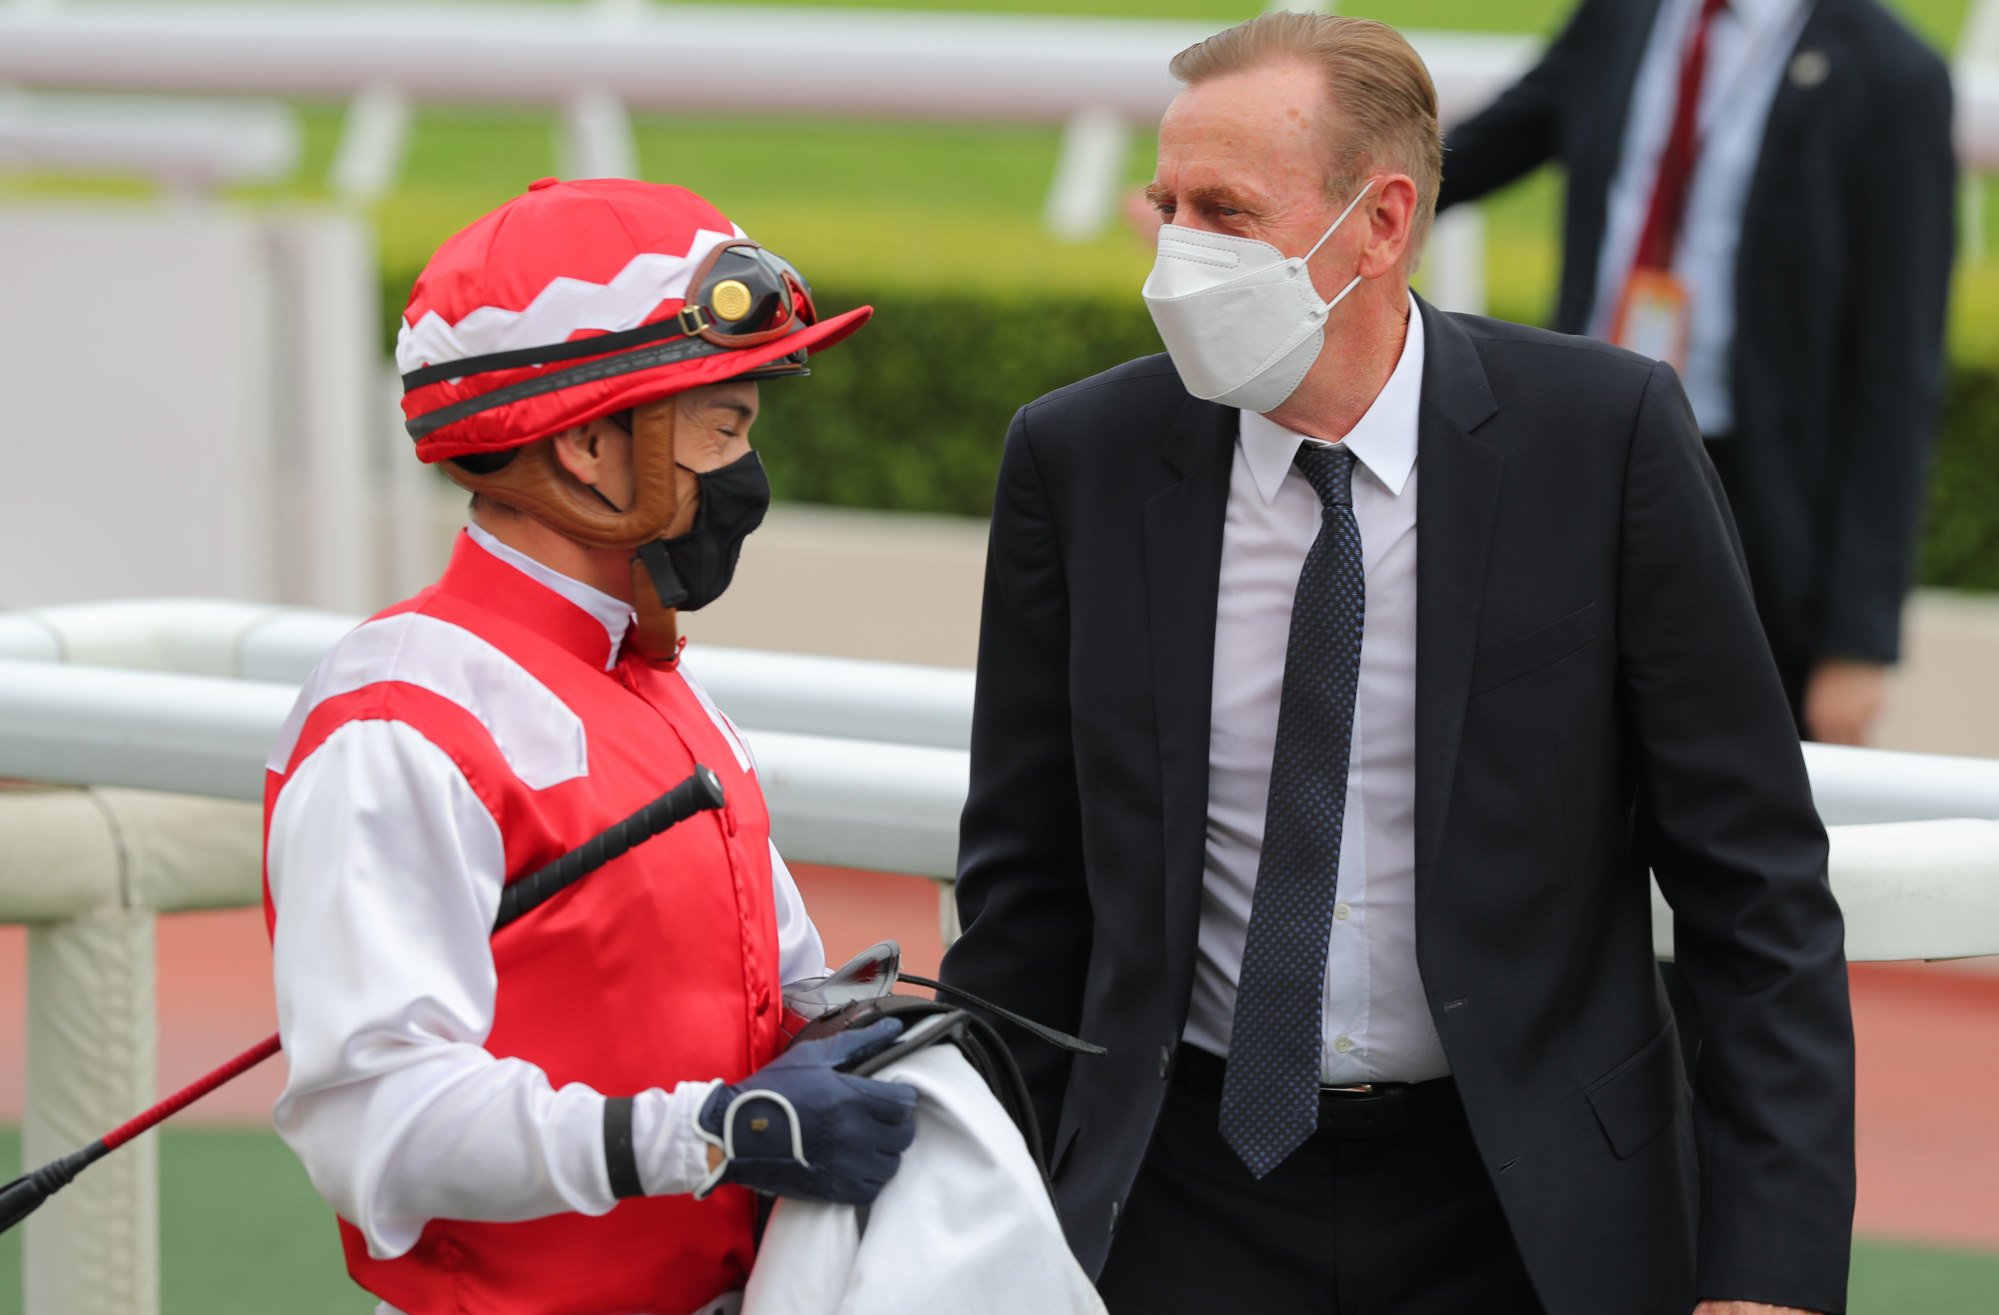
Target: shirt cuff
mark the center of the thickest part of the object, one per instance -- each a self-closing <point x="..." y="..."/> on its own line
<point x="673" y="1159"/>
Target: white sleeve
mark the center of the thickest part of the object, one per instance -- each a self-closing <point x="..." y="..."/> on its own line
<point x="799" y="952"/>
<point x="385" y="871"/>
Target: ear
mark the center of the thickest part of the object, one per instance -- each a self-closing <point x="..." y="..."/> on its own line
<point x="1391" y="218"/>
<point x="580" y="453"/>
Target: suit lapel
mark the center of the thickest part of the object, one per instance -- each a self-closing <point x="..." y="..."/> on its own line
<point x="1822" y="49"/>
<point x="1459" y="495"/>
<point x="1596" y="164"/>
<point x="1626" y="57"/>
<point x="1183" y="564"/>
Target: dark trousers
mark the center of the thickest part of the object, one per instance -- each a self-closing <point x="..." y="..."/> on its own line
<point x="1401" y="1223"/>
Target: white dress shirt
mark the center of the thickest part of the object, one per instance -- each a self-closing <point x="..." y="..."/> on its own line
<point x="1749" y="48"/>
<point x="393" y="1105"/>
<point x="1376" y="1023"/>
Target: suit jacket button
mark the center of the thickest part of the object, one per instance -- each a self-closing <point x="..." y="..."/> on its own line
<point x="1165" y="1060"/>
<point x="1113" y="1216"/>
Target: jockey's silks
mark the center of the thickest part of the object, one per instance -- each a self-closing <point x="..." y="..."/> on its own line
<point x="660" y="967"/>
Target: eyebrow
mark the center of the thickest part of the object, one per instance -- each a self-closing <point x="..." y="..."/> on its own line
<point x="1203" y="194"/>
<point x="742" y="410"/>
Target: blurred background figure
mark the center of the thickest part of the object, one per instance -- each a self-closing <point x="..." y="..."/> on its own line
<point x="1762" y="193"/>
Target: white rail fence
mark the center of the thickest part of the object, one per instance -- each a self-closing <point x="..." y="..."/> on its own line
<point x="1100" y="77"/>
<point x="865" y="765"/>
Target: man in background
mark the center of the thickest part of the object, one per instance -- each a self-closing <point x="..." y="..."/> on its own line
<point x="1760" y="193"/>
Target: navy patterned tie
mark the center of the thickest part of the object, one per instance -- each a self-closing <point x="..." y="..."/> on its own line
<point x="1270" y="1097"/>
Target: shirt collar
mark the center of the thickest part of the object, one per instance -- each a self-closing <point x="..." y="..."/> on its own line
<point x="1758" y="15"/>
<point x="614" y="614"/>
<point x="1384" y="440"/>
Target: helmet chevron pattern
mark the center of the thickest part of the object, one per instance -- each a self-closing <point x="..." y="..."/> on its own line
<point x="563" y="262"/>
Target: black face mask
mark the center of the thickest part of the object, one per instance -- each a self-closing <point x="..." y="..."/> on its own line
<point x="691" y="571"/>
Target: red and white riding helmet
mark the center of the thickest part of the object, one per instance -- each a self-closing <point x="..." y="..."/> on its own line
<point x="579" y="299"/>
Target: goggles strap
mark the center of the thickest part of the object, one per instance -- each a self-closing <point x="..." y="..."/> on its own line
<point x="688" y="323"/>
<point x="645" y="358"/>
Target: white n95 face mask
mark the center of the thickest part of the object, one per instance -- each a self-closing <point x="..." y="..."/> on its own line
<point x="1242" y="323"/>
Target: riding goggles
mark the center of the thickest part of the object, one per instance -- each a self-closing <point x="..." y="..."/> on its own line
<point x="741" y="296"/>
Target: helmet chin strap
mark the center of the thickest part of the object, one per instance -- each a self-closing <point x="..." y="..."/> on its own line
<point x="535" y="484"/>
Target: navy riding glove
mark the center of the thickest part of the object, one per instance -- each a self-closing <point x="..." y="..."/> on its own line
<point x="800" y="1127"/>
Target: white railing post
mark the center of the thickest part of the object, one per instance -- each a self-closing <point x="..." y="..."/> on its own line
<point x="1977" y="57"/>
<point x="324" y="275"/>
<point x="1084" y="194"/>
<point x="85" y="870"/>
<point x="1971" y="218"/>
<point x="1454" y="266"/>
<point x="94" y="1249"/>
<point x="596" y="139"/>
<point x="369" y="159"/>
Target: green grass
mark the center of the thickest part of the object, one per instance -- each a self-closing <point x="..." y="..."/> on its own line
<point x="240" y="1230"/>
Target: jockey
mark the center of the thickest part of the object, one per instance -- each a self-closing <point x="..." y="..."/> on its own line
<point x="573" y="1115"/>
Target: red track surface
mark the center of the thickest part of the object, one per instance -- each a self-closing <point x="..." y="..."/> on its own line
<point x="1929" y="1047"/>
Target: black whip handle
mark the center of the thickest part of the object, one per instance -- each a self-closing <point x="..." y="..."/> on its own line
<point x="697" y="794"/>
<point x="25" y="1194"/>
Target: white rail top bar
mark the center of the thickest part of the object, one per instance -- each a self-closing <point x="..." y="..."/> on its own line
<point x="202" y="735"/>
<point x="662" y="57"/>
<point x="1925" y="889"/>
<point x="72" y="725"/>
<point x="891" y="807"/>
<point x="837" y="698"/>
<point x="708" y="57"/>
<point x="179" y="141"/>
<point x="897" y="702"/>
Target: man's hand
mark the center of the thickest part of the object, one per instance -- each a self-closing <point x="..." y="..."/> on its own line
<point x="1842" y="699"/>
<point x="1746" y="1308"/>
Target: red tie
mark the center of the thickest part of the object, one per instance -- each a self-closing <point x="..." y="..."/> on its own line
<point x="1676" y="163"/>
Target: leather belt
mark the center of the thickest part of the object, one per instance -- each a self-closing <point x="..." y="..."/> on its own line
<point x="1368" y="1109"/>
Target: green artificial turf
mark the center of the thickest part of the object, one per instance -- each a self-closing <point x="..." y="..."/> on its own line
<point x="240" y="1230"/>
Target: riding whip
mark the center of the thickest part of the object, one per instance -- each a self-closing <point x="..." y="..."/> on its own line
<point x="698" y="793"/>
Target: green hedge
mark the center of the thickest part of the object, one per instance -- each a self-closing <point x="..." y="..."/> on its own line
<point x="1961" y="530"/>
<point x="910" y="413"/>
<point x="909" y="416"/>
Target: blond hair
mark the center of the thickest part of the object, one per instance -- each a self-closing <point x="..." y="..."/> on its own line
<point x="1376" y="83"/>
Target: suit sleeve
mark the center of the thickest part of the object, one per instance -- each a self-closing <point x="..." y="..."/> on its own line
<point x="1726" y="820"/>
<point x="1021" y="893"/>
<point x="1902" y="206"/>
<point x="1520" y="131"/>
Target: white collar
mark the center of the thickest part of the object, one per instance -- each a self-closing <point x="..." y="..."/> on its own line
<point x="614" y="614"/>
<point x="1384" y="440"/>
<point x="1755" y="15"/>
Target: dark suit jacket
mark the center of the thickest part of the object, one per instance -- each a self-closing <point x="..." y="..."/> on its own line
<point x="1841" y="282"/>
<point x="1593" y="696"/>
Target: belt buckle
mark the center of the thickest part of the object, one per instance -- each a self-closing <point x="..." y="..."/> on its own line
<point x="1347" y="1089"/>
